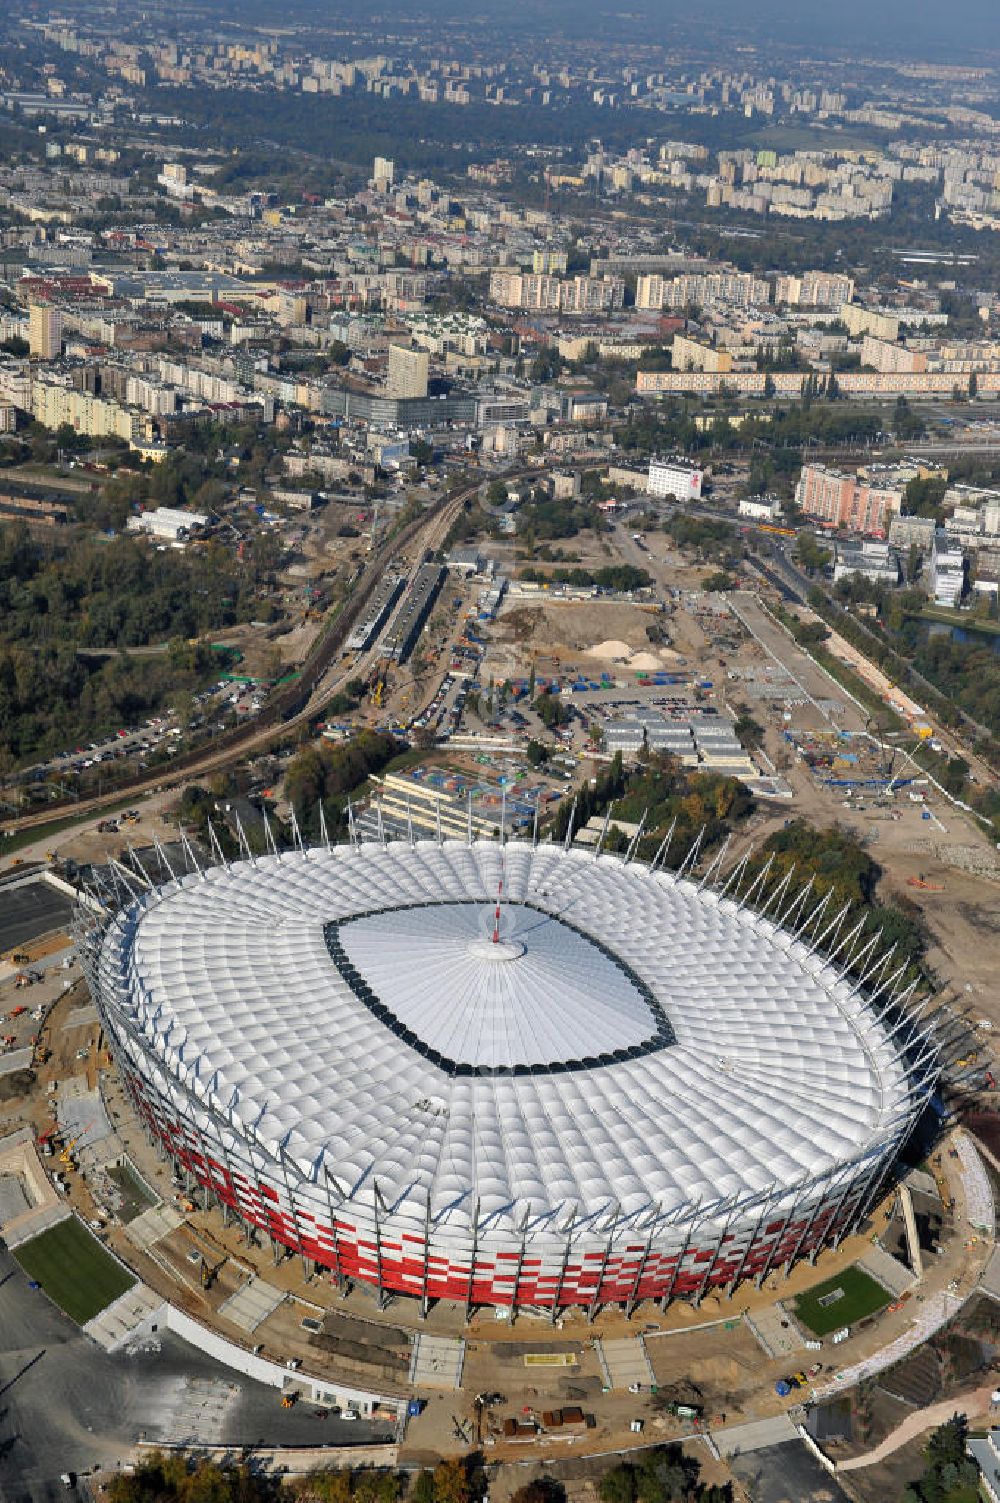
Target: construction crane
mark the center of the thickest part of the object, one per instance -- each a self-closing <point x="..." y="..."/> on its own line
<point x="876" y="731"/>
<point x="66" y="1157"/>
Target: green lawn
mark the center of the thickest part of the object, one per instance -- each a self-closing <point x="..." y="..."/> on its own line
<point x="861" y="1297"/>
<point x="73" y="1269"/>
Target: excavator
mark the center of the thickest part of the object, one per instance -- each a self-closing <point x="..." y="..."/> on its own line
<point x="210" y="1271"/>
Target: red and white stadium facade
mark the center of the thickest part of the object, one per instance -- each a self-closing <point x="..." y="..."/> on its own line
<point x="626" y="1087"/>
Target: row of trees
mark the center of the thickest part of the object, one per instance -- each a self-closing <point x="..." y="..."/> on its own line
<point x="663" y="1474"/>
<point x="621" y="577"/>
<point x="328" y="773"/>
<point x="664" y="792"/>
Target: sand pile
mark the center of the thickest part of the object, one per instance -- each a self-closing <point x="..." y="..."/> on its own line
<point x="614" y="650"/>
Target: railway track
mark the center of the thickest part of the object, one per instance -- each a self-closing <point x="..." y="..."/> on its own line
<point x="319" y="681"/>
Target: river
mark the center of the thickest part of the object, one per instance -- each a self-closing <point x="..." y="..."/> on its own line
<point x="964" y="634"/>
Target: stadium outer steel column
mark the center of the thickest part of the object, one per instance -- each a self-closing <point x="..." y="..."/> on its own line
<point x="596" y="1301"/>
<point x="769" y="1262"/>
<point x="472" y="1263"/>
<point x="232" y="1178"/>
<point x="630" y="1303"/>
<point x="333" y="1229"/>
<point x="306" y="1275"/>
<point x="557" y="1292"/>
<point x="868" y="1198"/>
<point x="820" y="1203"/>
<point x="376" y="1197"/>
<point x="208" y="1182"/>
<point x="517" y="1271"/>
<point x="668" y="1293"/>
<point x="715" y="1257"/>
<point x="424" y="1301"/>
<point x="752" y="1239"/>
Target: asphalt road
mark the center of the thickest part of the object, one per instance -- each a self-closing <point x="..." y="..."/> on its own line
<point x="66" y="1405"/>
<point x="31" y="910"/>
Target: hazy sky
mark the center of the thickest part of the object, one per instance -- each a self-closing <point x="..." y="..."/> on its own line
<point x="935" y="29"/>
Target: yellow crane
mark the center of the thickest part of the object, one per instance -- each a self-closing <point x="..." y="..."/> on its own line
<point x="66" y="1157"/>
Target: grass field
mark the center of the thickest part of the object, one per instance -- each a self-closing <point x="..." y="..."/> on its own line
<point x="861" y="1297"/>
<point x="73" y="1269"/>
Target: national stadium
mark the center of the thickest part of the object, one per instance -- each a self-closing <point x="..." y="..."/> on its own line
<point x="519" y="1075"/>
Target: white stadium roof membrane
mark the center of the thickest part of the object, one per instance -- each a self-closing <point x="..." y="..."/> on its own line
<point x="633" y="1040"/>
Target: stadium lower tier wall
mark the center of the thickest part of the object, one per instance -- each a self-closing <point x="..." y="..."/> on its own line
<point x="350" y="1239"/>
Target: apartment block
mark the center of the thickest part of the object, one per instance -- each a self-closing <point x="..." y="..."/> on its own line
<point x="839" y="499"/>
<point x="408" y="372"/>
<point x="692" y="355"/>
<point x="877" y="321"/>
<point x="890" y="358"/>
<point x="44" y="331"/>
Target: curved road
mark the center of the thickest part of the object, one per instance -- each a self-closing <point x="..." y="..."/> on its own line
<point x="66" y="1405"/>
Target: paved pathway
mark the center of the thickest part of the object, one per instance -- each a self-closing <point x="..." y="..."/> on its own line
<point x="973" y="1404"/>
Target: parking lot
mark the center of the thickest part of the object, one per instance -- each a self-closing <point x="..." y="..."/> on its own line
<point x="30" y="910"/>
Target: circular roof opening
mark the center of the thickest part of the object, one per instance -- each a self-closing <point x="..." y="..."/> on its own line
<point x="542" y="995"/>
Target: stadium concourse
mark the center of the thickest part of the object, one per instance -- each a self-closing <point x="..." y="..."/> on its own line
<point x="514" y="1075"/>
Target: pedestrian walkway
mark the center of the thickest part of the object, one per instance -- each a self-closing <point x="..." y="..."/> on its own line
<point x="250" y="1306"/>
<point x="152" y="1226"/>
<point x="888" y="1271"/>
<point x="17" y="1059"/>
<point x="778" y="1334"/>
<point x="972" y="1405"/>
<point x="979" y="1207"/>
<point x="115" y="1324"/>
<point x="80" y="1017"/>
<point x="436" y="1361"/>
<point x="625" y="1361"/>
<point x="735" y="1440"/>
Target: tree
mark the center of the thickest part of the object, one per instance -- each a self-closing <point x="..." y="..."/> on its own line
<point x="180" y="1479"/>
<point x="536" y="753"/>
<point x="451" y="1481"/>
<point x="550" y="710"/>
<point x="422" y="1490"/>
<point x="618" y="1485"/>
<point x="540" y="1490"/>
<point x="749" y="731"/>
<point x="973" y="385"/>
<point x="330" y="1485"/>
<point x="811" y="556"/>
